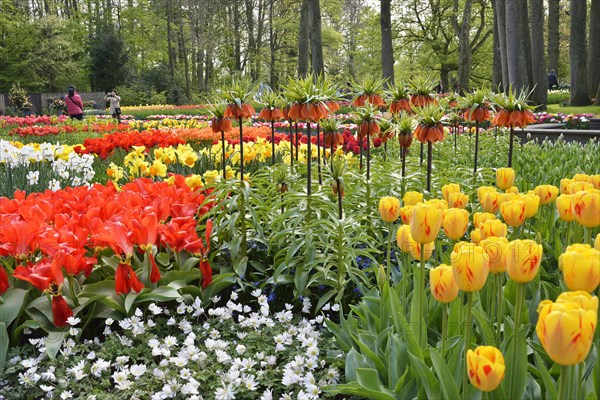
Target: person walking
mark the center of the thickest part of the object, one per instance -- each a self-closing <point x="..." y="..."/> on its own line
<point x="114" y="104"/>
<point x="552" y="80"/>
<point x="74" y="103"/>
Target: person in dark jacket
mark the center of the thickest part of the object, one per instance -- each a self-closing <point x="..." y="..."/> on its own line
<point x="552" y="80"/>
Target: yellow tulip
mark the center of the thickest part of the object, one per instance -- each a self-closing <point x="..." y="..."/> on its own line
<point x="485" y="366"/>
<point x="546" y="193"/>
<point x="564" y="185"/>
<point x="440" y="204"/>
<point x="425" y="223"/>
<point x="476" y="236"/>
<point x="448" y="189"/>
<point x="490" y="201"/>
<point x="493" y="227"/>
<point x="505" y="178"/>
<point x="496" y="248"/>
<point x="389" y="209"/>
<point x="403" y="238"/>
<point x="595" y="181"/>
<point x="454" y="222"/>
<point x="458" y="200"/>
<point x="482" y="190"/>
<point x="523" y="260"/>
<point x="564" y="207"/>
<point x="406" y="214"/>
<point x="513" y="212"/>
<point x="415" y="249"/>
<point x="566" y="327"/>
<point x="412" y="198"/>
<point x="580" y="265"/>
<point x="581" y="178"/>
<point x="442" y="284"/>
<point x="470" y="266"/>
<point x="532" y="203"/>
<point x="512" y="189"/>
<point x="575" y="187"/>
<point x="586" y="208"/>
<point x="480" y="217"/>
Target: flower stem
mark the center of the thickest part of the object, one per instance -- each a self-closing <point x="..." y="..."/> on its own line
<point x="421" y="290"/>
<point x="517" y="318"/>
<point x="467" y="340"/>
<point x="389" y="250"/>
<point x="588" y="235"/>
<point x="500" y="312"/>
<point x="444" y="328"/>
<point x="563" y="384"/>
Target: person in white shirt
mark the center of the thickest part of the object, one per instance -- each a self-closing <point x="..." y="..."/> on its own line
<point x="114" y="104"/>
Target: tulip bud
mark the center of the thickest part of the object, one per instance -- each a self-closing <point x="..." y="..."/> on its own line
<point x="513" y="212"/>
<point x="512" y="189"/>
<point x="490" y="201"/>
<point x="532" y="203"/>
<point x="448" y="189"/>
<point x="438" y="203"/>
<point x="564" y="185"/>
<point x="476" y="236"/>
<point x="381" y="276"/>
<point x="586" y="208"/>
<point x="415" y="249"/>
<point x="496" y="248"/>
<point x="458" y="200"/>
<point x="493" y="227"/>
<point x="60" y="311"/>
<point x="403" y="238"/>
<point x="564" y="207"/>
<point x="566" y="328"/>
<point x="406" y="214"/>
<point x="454" y="222"/>
<point x="595" y="181"/>
<point x="484" y="189"/>
<point x="480" y="217"/>
<point x="581" y="178"/>
<point x="412" y="198"/>
<point x="425" y="223"/>
<point x="523" y="260"/>
<point x="389" y="209"/>
<point x="485" y="366"/>
<point x="575" y="187"/>
<point x="442" y="284"/>
<point x="470" y="266"/>
<point x="505" y="178"/>
<point x="546" y="193"/>
<point x="580" y="265"/>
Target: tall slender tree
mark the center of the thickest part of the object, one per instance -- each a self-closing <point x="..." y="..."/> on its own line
<point x="536" y="21"/>
<point x="515" y="56"/>
<point x="316" y="43"/>
<point x="594" y="50"/>
<point x="463" y="30"/>
<point x="387" y="49"/>
<point x="304" y="39"/>
<point x="553" y="34"/>
<point x="577" y="54"/>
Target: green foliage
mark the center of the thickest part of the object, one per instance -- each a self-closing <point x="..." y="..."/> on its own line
<point x="108" y="57"/>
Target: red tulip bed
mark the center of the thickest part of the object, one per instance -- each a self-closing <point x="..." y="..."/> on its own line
<point x="368" y="272"/>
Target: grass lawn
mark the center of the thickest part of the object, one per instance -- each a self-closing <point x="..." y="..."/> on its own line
<point x="556" y="108"/>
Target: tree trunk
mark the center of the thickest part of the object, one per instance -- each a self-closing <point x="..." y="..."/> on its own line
<point x="526" y="42"/>
<point x="597" y="101"/>
<point x="500" y="17"/>
<point x="387" y="50"/>
<point x="272" y="75"/>
<point x="303" y="40"/>
<point x="170" y="50"/>
<point x="250" y="51"/>
<point x="497" y="62"/>
<point x="237" y="46"/>
<point x="594" y="50"/>
<point x="536" y="15"/>
<point x="464" y="46"/>
<point x="577" y="54"/>
<point x="316" y="45"/>
<point x="517" y="71"/>
<point x="553" y="34"/>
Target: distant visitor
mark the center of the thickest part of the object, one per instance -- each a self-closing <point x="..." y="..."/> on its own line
<point x="114" y="104"/>
<point x="552" y="80"/>
<point x="74" y="103"/>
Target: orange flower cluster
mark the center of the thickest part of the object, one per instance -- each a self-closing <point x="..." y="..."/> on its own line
<point x="374" y="99"/>
<point x="514" y="118"/>
<point x="432" y="134"/>
<point x="234" y="111"/>
<point x="399" y="105"/>
<point x="312" y="112"/>
<point x="268" y="114"/>
<point x="420" y="100"/>
<point x="479" y="114"/>
<point x="220" y="124"/>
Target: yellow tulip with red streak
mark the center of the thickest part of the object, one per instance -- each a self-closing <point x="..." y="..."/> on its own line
<point x="546" y="193"/>
<point x="455" y="222"/>
<point x="448" y="189"/>
<point x="389" y="209"/>
<point x="425" y="223"/>
<point x="513" y="212"/>
<point x="586" y="208"/>
<point x="470" y="266"/>
<point x="485" y="366"/>
<point x="564" y="204"/>
<point x="580" y="265"/>
<point x="458" y="200"/>
<point x="497" y="249"/>
<point x="523" y="260"/>
<point x="505" y="178"/>
<point x="442" y="284"/>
